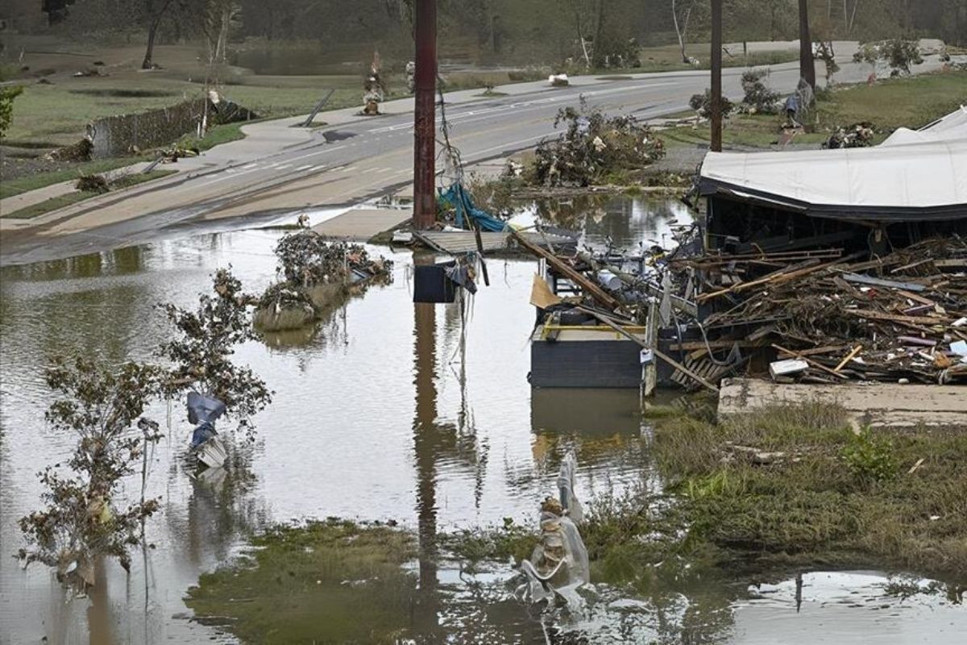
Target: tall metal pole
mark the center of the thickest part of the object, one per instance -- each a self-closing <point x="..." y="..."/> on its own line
<point x="716" y="76"/>
<point x="807" y="64"/>
<point x="424" y="126"/>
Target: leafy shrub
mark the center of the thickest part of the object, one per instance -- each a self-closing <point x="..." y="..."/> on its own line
<point x="702" y="103"/>
<point x="759" y="98"/>
<point x="870" y="457"/>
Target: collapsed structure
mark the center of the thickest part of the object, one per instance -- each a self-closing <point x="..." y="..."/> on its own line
<point x="818" y="266"/>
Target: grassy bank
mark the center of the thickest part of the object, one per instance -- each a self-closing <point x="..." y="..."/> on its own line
<point x="55" y="203"/>
<point x="11" y="187"/>
<point x="301" y="582"/>
<point x="910" y="102"/>
<point x="785" y="489"/>
<point x="796" y="483"/>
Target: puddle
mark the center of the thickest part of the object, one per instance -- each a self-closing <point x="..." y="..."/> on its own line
<point x="377" y="415"/>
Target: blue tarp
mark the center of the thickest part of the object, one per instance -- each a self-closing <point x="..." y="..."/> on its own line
<point x="457" y="196"/>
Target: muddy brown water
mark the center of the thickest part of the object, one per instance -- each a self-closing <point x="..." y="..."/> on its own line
<point x="375" y="417"/>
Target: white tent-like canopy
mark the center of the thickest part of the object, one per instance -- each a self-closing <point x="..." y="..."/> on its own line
<point x="914" y="178"/>
<point x="952" y="126"/>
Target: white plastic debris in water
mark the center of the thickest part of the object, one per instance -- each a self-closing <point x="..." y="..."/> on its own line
<point x="212" y="453"/>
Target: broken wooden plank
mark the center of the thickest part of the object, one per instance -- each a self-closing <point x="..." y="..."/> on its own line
<point x="913" y="320"/>
<point x="848" y="358"/>
<point x="562" y="267"/>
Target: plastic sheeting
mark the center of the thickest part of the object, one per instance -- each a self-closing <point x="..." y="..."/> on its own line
<point x="457" y="196"/>
<point x="204" y="409"/>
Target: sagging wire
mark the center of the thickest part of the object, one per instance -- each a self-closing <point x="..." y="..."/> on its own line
<point x="453" y="162"/>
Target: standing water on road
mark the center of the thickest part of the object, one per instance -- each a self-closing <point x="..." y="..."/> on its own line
<point x="375" y="417"/>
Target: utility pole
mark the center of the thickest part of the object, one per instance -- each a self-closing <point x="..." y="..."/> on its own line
<point x="716" y="76"/>
<point x="424" y="125"/>
<point x="807" y="65"/>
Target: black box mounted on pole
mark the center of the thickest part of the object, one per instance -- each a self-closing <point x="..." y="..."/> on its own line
<point x="431" y="284"/>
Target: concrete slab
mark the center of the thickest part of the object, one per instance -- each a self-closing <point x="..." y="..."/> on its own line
<point x="874" y="404"/>
<point x="363" y="223"/>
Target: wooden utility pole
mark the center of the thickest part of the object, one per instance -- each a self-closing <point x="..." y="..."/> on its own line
<point x="424" y="125"/>
<point x="807" y="64"/>
<point x="716" y="76"/>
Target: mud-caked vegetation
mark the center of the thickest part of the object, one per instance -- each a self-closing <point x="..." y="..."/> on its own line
<point x="299" y="578"/>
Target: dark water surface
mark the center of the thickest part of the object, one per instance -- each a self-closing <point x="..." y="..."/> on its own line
<point x="375" y="417"/>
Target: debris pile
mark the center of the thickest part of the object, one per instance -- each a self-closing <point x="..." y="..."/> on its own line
<point x="315" y="271"/>
<point x="858" y="135"/>
<point x="815" y="316"/>
<point x="307" y="258"/>
<point x="593" y="147"/>
<point x="898" y="318"/>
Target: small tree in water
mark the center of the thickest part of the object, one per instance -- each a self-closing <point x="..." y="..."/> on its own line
<point x="84" y="520"/>
<point x="203" y="351"/>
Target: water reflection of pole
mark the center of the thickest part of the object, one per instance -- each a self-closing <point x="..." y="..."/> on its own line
<point x="426" y="442"/>
<point x="99" y="613"/>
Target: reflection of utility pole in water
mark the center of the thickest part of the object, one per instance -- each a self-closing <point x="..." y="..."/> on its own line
<point x="99" y="612"/>
<point x="426" y="442"/>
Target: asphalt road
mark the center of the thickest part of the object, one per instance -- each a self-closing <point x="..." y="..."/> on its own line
<point x="280" y="169"/>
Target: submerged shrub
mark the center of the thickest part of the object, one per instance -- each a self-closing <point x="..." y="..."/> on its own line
<point x="83" y="520"/>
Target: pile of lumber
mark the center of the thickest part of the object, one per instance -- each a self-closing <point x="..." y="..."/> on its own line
<point x="833" y="318"/>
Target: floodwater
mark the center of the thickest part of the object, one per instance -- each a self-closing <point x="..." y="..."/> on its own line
<point x="381" y="413"/>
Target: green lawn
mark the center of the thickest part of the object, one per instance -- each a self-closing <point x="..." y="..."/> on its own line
<point x="904" y="102"/>
<point x="41" y="180"/>
<point x="56" y="203"/>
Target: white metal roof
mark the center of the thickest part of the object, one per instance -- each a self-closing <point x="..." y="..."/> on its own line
<point x="914" y="176"/>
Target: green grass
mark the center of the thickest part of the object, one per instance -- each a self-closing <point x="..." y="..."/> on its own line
<point x="327" y="582"/>
<point x="910" y="102"/>
<point x="835" y="494"/>
<point x="42" y="180"/>
<point x="889" y="104"/>
<point x="52" y="204"/>
<point x="216" y="136"/>
<point x="62" y="201"/>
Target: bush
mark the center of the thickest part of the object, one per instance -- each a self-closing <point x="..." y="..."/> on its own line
<point x="898" y="53"/>
<point x="84" y="519"/>
<point x="7" y="95"/>
<point x="759" y="98"/>
<point x="702" y="103"/>
<point x="869" y="457"/>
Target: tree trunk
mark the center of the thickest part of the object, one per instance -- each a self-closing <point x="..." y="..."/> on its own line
<point x="807" y="65"/>
<point x="598" y="34"/>
<point x="147" y="63"/>
<point x="153" y="24"/>
<point x="680" y="30"/>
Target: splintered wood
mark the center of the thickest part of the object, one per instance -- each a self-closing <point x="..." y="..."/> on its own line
<point x="896" y="318"/>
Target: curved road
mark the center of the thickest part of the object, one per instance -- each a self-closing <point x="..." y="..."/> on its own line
<point x="280" y="169"/>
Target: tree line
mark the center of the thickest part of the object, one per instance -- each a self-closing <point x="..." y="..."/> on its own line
<point x="518" y="31"/>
